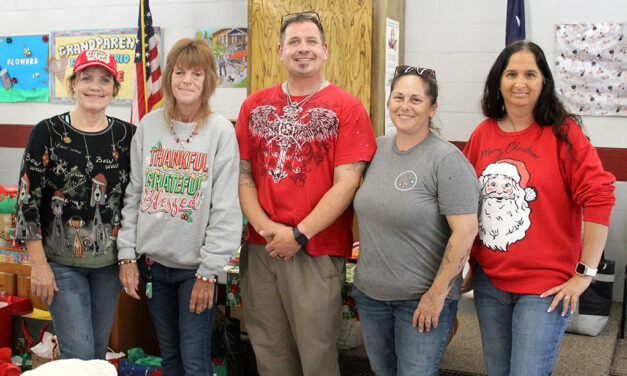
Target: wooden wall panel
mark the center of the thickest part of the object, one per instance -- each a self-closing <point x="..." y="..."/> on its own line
<point x="393" y="9"/>
<point x="348" y="31"/>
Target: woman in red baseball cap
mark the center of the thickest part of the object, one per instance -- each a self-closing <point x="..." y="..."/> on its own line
<point x="74" y="172"/>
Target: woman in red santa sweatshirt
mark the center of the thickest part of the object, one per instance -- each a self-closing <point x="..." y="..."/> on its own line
<point x="540" y="179"/>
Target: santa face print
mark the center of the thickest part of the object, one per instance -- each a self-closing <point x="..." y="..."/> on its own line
<point x="504" y="215"/>
<point x="500" y="187"/>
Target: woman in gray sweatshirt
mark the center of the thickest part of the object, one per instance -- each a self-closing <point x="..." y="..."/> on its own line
<point x="181" y="220"/>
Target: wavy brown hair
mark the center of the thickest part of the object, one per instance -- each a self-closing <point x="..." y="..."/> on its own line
<point x="190" y="54"/>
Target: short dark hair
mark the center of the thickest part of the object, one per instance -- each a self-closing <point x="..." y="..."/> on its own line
<point x="301" y="18"/>
<point x="431" y="92"/>
<point x="548" y="111"/>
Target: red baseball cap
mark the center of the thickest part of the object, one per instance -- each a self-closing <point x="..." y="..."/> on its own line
<point x="102" y="58"/>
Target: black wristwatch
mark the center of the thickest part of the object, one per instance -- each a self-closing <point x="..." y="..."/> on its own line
<point x="301" y="239"/>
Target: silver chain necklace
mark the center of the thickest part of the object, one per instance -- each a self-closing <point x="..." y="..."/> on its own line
<point x="293" y="109"/>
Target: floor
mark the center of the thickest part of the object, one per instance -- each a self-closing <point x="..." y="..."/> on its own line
<point x="355" y="363"/>
<point x="619" y="364"/>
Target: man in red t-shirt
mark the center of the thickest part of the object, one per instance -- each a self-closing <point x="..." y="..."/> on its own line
<point x="303" y="146"/>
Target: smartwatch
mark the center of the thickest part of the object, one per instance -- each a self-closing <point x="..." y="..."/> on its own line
<point x="301" y="238"/>
<point x="584" y="270"/>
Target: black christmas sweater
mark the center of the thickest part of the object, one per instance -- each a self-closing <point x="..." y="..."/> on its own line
<point x="70" y="190"/>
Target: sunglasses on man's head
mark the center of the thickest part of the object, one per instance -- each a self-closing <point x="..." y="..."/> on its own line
<point x="422" y="72"/>
<point x="309" y="15"/>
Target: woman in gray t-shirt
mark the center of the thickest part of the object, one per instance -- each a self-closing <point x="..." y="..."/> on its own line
<point x="417" y="212"/>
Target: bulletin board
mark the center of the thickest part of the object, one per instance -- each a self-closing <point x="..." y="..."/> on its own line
<point x="66" y="45"/>
<point x="23" y="68"/>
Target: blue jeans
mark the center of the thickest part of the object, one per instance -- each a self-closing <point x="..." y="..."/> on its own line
<point x="519" y="337"/>
<point x="393" y="345"/>
<point x="184" y="337"/>
<point x="83" y="309"/>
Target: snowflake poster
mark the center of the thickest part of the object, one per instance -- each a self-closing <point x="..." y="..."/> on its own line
<point x="590" y="68"/>
<point x="24" y="68"/>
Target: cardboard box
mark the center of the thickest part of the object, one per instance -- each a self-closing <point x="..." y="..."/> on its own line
<point x="23" y="289"/>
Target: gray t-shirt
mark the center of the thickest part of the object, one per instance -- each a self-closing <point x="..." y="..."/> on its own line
<point x="401" y="208"/>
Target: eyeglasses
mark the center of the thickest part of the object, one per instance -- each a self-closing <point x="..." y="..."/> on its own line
<point x="310" y="15"/>
<point x="422" y="72"/>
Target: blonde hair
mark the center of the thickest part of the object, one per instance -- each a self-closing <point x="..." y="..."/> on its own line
<point x="190" y="54"/>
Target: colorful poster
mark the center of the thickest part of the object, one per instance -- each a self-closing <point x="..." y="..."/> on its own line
<point x="590" y="68"/>
<point x="66" y="45"/>
<point x="229" y="46"/>
<point x="24" y="68"/>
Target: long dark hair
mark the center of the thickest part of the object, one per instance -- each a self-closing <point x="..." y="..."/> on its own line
<point x="548" y="111"/>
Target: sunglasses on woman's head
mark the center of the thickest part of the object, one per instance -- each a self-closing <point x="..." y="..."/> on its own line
<point x="422" y="72"/>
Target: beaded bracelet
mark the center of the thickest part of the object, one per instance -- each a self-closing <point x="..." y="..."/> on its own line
<point x="127" y="261"/>
<point x="205" y="279"/>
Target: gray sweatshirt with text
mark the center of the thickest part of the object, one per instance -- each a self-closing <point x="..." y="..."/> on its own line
<point x="181" y="206"/>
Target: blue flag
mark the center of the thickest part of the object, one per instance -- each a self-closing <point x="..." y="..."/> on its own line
<point x="515" y="24"/>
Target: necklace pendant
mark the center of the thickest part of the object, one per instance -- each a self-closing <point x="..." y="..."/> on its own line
<point x="115" y="154"/>
<point x="66" y="138"/>
<point x="89" y="166"/>
<point x="291" y="111"/>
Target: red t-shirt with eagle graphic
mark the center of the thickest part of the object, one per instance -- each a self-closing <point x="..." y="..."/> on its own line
<point x="534" y="194"/>
<point x="293" y="160"/>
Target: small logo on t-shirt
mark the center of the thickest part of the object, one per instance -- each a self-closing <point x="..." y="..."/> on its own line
<point x="406" y="181"/>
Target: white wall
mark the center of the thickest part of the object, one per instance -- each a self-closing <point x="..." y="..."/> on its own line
<point x="461" y="39"/>
<point x="177" y="19"/>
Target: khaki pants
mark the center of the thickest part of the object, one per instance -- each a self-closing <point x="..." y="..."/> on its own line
<point x="293" y="311"/>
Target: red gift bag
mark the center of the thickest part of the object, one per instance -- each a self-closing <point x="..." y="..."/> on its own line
<point x="16" y="304"/>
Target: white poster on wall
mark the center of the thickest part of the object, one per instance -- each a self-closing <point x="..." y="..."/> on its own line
<point x="391" y="61"/>
<point x="591" y="68"/>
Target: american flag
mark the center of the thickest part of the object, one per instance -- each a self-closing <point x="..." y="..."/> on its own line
<point x="147" y="71"/>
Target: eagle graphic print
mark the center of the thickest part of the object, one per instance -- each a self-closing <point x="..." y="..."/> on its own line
<point x="286" y="142"/>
